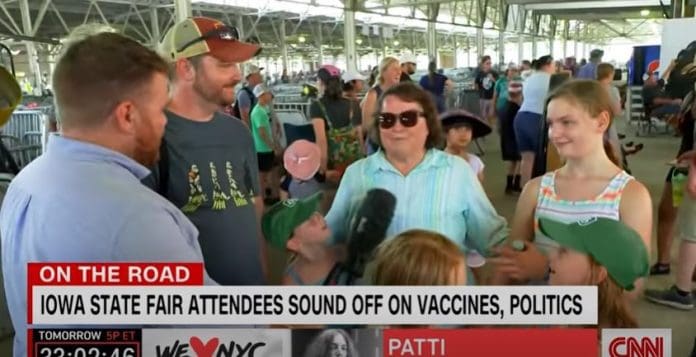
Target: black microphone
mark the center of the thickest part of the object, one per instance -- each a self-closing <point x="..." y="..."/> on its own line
<point x="369" y="228"/>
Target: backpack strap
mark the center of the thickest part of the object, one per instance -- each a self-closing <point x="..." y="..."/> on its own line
<point x="326" y="115"/>
<point x="163" y="168"/>
<point x="252" y="97"/>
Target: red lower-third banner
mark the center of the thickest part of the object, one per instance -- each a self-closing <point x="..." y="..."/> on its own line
<point x="494" y="342"/>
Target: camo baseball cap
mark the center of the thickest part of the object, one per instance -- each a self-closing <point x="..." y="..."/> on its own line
<point x="203" y="35"/>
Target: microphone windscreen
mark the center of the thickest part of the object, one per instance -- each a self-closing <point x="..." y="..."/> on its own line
<point x="371" y="222"/>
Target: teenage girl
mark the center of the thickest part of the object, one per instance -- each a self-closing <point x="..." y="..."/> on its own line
<point x="589" y="184"/>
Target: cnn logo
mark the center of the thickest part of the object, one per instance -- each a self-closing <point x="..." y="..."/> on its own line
<point x="636" y="343"/>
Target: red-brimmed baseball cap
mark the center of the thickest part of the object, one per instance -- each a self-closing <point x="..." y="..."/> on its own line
<point x="203" y="35"/>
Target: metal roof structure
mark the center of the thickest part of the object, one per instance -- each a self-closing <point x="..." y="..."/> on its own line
<point x="316" y="26"/>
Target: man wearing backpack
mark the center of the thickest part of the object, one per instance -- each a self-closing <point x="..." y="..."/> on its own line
<point x="208" y="166"/>
<point x="245" y="97"/>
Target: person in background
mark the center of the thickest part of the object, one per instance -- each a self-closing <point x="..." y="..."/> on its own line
<point x="602" y="252"/>
<point x="94" y="208"/>
<point x="605" y="76"/>
<point x="679" y="81"/>
<point x="408" y="67"/>
<point x="657" y="99"/>
<point x="333" y="111"/>
<point x="437" y="85"/>
<point x="528" y="122"/>
<point x="679" y="295"/>
<point x="508" y="142"/>
<point x="589" y="185"/>
<point x="301" y="161"/>
<point x="667" y="208"/>
<point x="500" y="94"/>
<point x="266" y="147"/>
<point x="419" y="257"/>
<point x="485" y="84"/>
<point x="353" y="85"/>
<point x="460" y="128"/>
<point x="589" y="70"/>
<point x="245" y="97"/>
<point x="208" y="166"/>
<point x="388" y="75"/>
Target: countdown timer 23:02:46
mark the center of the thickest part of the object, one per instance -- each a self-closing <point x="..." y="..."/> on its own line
<point x="87" y="351"/>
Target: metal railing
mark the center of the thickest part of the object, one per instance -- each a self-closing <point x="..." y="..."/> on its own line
<point x="25" y="135"/>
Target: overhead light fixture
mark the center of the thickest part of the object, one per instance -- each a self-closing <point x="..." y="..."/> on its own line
<point x="396" y="43"/>
<point x="359" y="41"/>
<point x="645" y="12"/>
<point x="301" y="39"/>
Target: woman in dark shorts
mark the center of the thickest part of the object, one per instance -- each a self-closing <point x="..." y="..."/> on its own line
<point x="508" y="142"/>
<point x="667" y="212"/>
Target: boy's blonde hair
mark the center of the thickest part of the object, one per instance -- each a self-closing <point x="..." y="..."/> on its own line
<point x="417" y="257"/>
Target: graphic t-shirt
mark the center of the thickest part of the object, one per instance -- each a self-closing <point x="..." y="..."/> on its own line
<point x="213" y="178"/>
<point x="486" y="83"/>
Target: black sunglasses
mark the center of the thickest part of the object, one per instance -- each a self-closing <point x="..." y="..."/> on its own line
<point x="227" y="33"/>
<point x="407" y="119"/>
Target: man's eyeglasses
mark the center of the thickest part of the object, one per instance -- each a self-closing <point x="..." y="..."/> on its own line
<point x="408" y="119"/>
<point x="226" y="33"/>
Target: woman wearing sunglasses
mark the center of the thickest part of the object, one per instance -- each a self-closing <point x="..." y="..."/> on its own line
<point x="434" y="190"/>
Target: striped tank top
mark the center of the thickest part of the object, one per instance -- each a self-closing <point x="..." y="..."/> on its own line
<point x="606" y="205"/>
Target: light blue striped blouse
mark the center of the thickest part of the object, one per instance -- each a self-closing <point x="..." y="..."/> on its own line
<point x="441" y="194"/>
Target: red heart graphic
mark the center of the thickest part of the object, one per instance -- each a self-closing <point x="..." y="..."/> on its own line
<point x="204" y="350"/>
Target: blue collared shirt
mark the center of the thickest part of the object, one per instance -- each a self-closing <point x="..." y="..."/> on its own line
<point x="83" y="202"/>
<point x="441" y="194"/>
<point x="588" y="71"/>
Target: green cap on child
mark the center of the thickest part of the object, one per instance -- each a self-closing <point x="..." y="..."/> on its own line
<point x="283" y="217"/>
<point x="609" y="242"/>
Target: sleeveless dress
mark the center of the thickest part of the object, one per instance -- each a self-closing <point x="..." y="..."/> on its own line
<point x="606" y="205"/>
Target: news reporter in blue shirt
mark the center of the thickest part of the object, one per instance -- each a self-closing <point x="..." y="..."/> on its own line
<point x="83" y="200"/>
<point x="435" y="191"/>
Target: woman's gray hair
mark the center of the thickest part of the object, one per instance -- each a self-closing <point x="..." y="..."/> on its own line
<point x="320" y="345"/>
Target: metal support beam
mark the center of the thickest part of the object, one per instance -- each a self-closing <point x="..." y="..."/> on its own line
<point x="320" y="43"/>
<point x="40" y="16"/>
<point x="60" y="18"/>
<point x="566" y="34"/>
<point x="283" y="45"/>
<point x="433" y="11"/>
<point x="534" y="47"/>
<point x="576" y="39"/>
<point x="480" y="49"/>
<point x="239" y="19"/>
<point x="349" y="40"/>
<point x="182" y="9"/>
<point x="154" y="24"/>
<point x="501" y="47"/>
<point x="32" y="55"/>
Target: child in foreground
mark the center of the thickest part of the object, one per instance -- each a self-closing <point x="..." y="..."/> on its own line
<point x="602" y="252"/>
<point x="296" y="225"/>
<point x="419" y="257"/>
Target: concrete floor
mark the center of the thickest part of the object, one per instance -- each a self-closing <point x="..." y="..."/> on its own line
<point x="649" y="166"/>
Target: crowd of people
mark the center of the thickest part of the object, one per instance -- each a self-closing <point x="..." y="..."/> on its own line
<point x="141" y="172"/>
